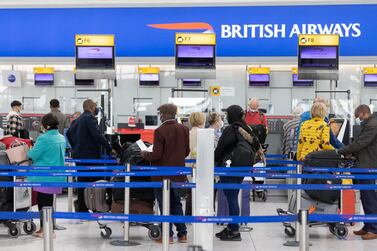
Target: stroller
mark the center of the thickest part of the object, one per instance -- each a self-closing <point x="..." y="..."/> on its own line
<point x="319" y="202"/>
<point x="141" y="199"/>
<point x="15" y="199"/>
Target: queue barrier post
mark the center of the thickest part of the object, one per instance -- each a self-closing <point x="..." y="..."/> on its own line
<point x="70" y="195"/>
<point x="48" y="229"/>
<point x="56" y="226"/>
<point x="126" y="227"/>
<point x="303" y="230"/>
<point x="296" y="242"/>
<point x="166" y="212"/>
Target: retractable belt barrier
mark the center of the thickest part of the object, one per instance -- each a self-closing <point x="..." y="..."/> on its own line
<point x="106" y="161"/>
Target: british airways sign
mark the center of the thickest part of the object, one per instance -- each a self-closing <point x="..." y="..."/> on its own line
<point x="242" y="31"/>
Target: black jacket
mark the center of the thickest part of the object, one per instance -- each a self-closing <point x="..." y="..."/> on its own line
<point x="229" y="140"/>
<point x="365" y="146"/>
<point x="86" y="138"/>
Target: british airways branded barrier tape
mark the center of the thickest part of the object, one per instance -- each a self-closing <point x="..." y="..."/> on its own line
<point x="186" y="219"/>
<point x="106" y="161"/>
<point x="293" y="187"/>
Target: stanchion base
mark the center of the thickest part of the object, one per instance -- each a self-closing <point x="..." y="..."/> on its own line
<point x="58" y="228"/>
<point x="122" y="243"/>
<point x="293" y="244"/>
<point x="245" y="229"/>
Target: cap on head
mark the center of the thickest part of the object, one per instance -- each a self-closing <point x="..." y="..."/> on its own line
<point x="54" y="103"/>
<point x="235" y="113"/>
<point x="168" y="110"/>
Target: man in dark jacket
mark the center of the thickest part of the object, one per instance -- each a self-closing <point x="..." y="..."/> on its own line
<point x="87" y="141"/>
<point x="170" y="148"/>
<point x="365" y="149"/>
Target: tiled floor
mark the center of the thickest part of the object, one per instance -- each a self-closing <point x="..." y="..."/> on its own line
<point x="264" y="237"/>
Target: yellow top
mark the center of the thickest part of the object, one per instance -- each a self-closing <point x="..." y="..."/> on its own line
<point x="318" y="40"/>
<point x="195" y="38"/>
<point x="314" y="136"/>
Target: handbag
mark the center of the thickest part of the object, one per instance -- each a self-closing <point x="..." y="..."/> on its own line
<point x="17" y="153"/>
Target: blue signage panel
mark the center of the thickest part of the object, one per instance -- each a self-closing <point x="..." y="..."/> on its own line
<point x="149" y="32"/>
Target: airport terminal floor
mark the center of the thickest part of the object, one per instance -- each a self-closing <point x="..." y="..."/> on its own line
<point x="84" y="236"/>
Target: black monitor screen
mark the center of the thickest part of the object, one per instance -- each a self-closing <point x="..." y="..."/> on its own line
<point x="98" y="57"/>
<point x="43" y="79"/>
<point x="195" y="56"/>
<point x="301" y="82"/>
<point x="370" y="80"/>
<point x="149" y="79"/>
<point x="325" y="57"/>
<point x="259" y="79"/>
<point x="151" y="120"/>
<point x="192" y="82"/>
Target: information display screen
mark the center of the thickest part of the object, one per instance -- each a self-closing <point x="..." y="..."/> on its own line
<point x="85" y="82"/>
<point x="259" y="79"/>
<point x="149" y="79"/>
<point x="89" y="57"/>
<point x="195" y="56"/>
<point x="192" y="82"/>
<point x="43" y="79"/>
<point x="324" y="57"/>
<point x="370" y="80"/>
<point x="301" y="82"/>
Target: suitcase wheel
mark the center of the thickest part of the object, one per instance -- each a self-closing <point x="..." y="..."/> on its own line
<point x="29" y="227"/>
<point x="106" y="232"/>
<point x="154" y="232"/>
<point x="290" y="231"/>
<point x="341" y="231"/>
<point x="14" y="231"/>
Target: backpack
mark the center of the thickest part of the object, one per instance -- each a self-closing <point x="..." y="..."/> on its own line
<point x="243" y="154"/>
<point x="97" y="199"/>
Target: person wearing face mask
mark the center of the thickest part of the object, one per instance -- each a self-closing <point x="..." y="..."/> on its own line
<point x="197" y="120"/>
<point x="14" y="120"/>
<point x="47" y="151"/>
<point x="86" y="140"/>
<point x="365" y="149"/>
<point x="253" y="115"/>
<point x="216" y="123"/>
<point x="170" y="148"/>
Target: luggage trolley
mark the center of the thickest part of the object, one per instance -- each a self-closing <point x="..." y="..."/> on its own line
<point x="17" y="199"/>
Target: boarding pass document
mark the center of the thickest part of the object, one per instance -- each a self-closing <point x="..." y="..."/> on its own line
<point x="143" y="147"/>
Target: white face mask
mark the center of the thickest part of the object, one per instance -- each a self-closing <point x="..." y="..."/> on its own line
<point x="358" y="121"/>
<point x="221" y="124"/>
<point x="252" y="110"/>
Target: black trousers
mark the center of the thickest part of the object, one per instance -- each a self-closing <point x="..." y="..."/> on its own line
<point x="44" y="200"/>
<point x="369" y="202"/>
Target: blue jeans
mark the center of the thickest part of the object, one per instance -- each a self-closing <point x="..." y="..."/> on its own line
<point x="369" y="202"/>
<point x="175" y="209"/>
<point x="232" y="198"/>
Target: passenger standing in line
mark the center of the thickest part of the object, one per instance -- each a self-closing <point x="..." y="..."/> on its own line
<point x="62" y="118"/>
<point x="314" y="133"/>
<point x="216" y="123"/>
<point x="86" y="141"/>
<point x="365" y="149"/>
<point x="236" y="131"/>
<point x="14" y="120"/>
<point x="253" y="115"/>
<point x="48" y="151"/>
<point x="290" y="136"/>
<point x="171" y="147"/>
<point x="306" y="116"/>
<point x="197" y="121"/>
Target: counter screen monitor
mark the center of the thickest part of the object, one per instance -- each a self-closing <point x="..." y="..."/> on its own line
<point x="195" y="56"/>
<point x="370" y="80"/>
<point x="322" y="57"/>
<point x="151" y="120"/>
<point x="84" y="82"/>
<point x="149" y="79"/>
<point x="301" y="82"/>
<point x="259" y="79"/>
<point x="99" y="57"/>
<point x="190" y="82"/>
<point x="44" y="79"/>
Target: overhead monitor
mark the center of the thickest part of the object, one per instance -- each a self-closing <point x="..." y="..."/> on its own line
<point x="95" y="57"/>
<point x="301" y="82"/>
<point x="149" y="79"/>
<point x="370" y="80"/>
<point x="191" y="82"/>
<point x="195" y="56"/>
<point x="259" y="79"/>
<point x="323" y="57"/>
<point x="43" y="79"/>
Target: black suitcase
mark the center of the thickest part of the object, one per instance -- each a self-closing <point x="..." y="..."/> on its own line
<point x="6" y="193"/>
<point x="326" y="158"/>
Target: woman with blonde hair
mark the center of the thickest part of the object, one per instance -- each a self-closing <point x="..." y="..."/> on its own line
<point x="216" y="123"/>
<point x="314" y="133"/>
<point x="197" y="120"/>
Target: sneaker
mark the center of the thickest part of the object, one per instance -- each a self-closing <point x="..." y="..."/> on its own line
<point x="223" y="232"/>
<point x="231" y="236"/>
<point x="360" y="232"/>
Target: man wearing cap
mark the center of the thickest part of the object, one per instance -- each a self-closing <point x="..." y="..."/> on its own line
<point x="170" y="148"/>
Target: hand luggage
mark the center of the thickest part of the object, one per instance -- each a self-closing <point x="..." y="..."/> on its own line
<point x="97" y="199"/>
<point x="328" y="158"/>
<point x="9" y="140"/>
<point x="17" y="153"/>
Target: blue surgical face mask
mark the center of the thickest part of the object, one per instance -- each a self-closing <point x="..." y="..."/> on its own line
<point x="358" y="121"/>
